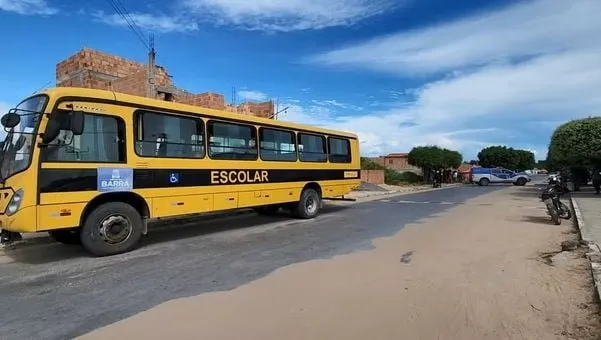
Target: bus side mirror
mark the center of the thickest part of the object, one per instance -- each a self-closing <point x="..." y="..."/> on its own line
<point x="76" y="123"/>
<point x="52" y="130"/>
<point x="10" y="120"/>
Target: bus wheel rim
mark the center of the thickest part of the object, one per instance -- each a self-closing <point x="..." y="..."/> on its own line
<point x="115" y="229"/>
<point x="311" y="205"/>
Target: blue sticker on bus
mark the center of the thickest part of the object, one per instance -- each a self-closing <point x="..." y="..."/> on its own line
<point x="115" y="179"/>
<point x="173" y="178"/>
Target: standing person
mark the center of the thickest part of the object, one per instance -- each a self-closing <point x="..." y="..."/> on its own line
<point x="597" y="180"/>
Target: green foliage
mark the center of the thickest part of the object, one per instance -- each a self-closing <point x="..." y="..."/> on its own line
<point x="509" y="158"/>
<point x="451" y="159"/>
<point x="433" y="157"/>
<point x="541" y="164"/>
<point x="411" y="177"/>
<point x="391" y="177"/>
<point x="576" y="144"/>
<point x="368" y="164"/>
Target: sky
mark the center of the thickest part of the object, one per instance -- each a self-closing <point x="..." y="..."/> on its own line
<point x="458" y="74"/>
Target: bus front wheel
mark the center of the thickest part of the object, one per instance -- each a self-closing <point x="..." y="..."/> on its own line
<point x="111" y="228"/>
<point x="309" y="204"/>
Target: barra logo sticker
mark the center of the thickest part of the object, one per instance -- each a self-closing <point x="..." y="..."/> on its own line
<point x="115" y="179"/>
<point x="351" y="174"/>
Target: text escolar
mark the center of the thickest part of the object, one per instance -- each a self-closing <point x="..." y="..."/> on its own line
<point x="234" y="176"/>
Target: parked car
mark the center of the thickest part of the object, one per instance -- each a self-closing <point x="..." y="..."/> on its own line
<point x="485" y="176"/>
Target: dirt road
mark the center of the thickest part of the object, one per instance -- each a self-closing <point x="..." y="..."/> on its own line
<point x="481" y="270"/>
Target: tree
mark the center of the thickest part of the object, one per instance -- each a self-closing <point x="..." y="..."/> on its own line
<point x="509" y="158"/>
<point x="525" y="160"/>
<point x="496" y="156"/>
<point x="576" y="144"/>
<point x="433" y="157"/>
<point x="541" y="164"/>
<point x="451" y="159"/>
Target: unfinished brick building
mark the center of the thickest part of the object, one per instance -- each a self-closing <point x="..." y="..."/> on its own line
<point x="93" y="69"/>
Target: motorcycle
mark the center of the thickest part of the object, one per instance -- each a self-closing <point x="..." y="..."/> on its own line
<point x="551" y="196"/>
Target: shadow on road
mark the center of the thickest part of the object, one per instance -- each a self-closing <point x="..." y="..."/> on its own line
<point x="528" y="191"/>
<point x="538" y="219"/>
<point x="45" y="250"/>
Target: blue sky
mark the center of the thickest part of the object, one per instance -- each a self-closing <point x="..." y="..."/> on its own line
<point x="459" y="74"/>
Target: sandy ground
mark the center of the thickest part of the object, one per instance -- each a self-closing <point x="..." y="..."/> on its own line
<point x="482" y="270"/>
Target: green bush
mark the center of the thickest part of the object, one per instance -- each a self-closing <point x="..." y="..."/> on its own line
<point x="367" y="164"/>
<point x="411" y="177"/>
<point x="392" y="177"/>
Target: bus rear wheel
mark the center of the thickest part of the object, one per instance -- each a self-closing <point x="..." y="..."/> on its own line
<point x="308" y="206"/>
<point x="70" y="236"/>
<point x="111" y="228"/>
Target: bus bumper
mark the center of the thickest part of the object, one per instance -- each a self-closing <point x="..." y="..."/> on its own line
<point x="23" y="221"/>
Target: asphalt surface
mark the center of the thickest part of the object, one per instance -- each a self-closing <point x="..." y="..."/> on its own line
<point x="53" y="291"/>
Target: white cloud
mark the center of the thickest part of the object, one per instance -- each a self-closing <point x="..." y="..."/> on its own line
<point x="285" y="16"/>
<point x="153" y="22"/>
<point x="252" y="95"/>
<point x="495" y="76"/>
<point x="528" y="29"/>
<point x="27" y="7"/>
<point x="333" y="102"/>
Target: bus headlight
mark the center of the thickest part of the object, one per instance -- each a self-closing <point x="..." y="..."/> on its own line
<point x="15" y="202"/>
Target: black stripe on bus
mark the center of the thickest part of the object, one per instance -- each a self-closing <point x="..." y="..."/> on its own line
<point x="71" y="180"/>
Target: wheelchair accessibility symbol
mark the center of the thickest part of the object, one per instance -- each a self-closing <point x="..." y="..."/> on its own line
<point x="174" y="178"/>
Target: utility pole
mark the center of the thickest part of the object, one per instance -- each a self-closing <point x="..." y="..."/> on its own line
<point x="151" y="68"/>
<point x="275" y="115"/>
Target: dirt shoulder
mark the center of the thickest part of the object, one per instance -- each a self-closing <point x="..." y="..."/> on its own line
<point x="488" y="269"/>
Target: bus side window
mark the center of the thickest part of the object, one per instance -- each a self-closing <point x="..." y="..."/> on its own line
<point x="172" y="136"/>
<point x="230" y="141"/>
<point x="102" y="141"/>
<point x="277" y="145"/>
<point x="313" y="148"/>
<point x="339" y="150"/>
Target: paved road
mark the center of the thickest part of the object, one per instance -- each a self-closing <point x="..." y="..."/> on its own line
<point x="52" y="291"/>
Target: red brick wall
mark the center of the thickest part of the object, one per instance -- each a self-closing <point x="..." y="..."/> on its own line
<point x="372" y="176"/>
<point x="210" y="100"/>
<point x="101" y="70"/>
<point x="395" y="162"/>
<point x="94" y="69"/>
<point x="134" y="84"/>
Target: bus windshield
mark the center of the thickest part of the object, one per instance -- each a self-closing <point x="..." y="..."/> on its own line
<point x="17" y="147"/>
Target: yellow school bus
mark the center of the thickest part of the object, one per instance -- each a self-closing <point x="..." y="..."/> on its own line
<point x="93" y="166"/>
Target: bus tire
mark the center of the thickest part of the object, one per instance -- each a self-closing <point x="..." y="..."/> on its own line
<point x="309" y="204"/>
<point x="70" y="236"/>
<point x="267" y="210"/>
<point x="484" y="182"/>
<point x="111" y="228"/>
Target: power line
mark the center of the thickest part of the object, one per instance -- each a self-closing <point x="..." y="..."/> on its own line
<point x="43" y="86"/>
<point x="121" y="11"/>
